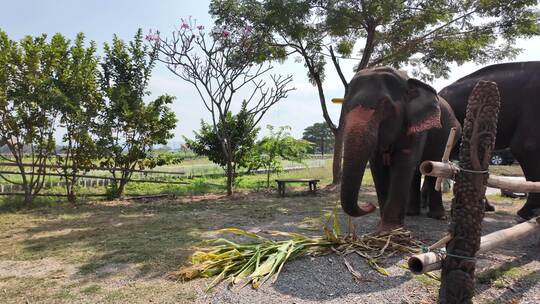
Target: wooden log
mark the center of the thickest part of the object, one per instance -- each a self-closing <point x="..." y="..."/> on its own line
<point x="448" y="170"/>
<point x="446" y="156"/>
<point x="513" y="185"/>
<point x="430" y="261"/>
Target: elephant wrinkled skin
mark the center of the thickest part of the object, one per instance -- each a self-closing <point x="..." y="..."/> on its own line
<point x="395" y="122"/>
<point x="518" y="126"/>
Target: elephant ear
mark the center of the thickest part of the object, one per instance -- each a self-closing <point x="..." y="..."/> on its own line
<point x="422" y="110"/>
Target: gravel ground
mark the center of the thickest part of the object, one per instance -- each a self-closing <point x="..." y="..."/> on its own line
<point x="326" y="279"/>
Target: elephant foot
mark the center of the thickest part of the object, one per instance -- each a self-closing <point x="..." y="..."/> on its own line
<point x="438" y="214"/>
<point x="525" y="214"/>
<point x="415" y="212"/>
<point x="385" y="228"/>
<point x="488" y="207"/>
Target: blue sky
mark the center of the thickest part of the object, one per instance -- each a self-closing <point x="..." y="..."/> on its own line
<point x="100" y="19"/>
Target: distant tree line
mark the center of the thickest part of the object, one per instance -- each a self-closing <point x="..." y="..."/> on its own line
<point x="58" y="86"/>
<point x="322" y="138"/>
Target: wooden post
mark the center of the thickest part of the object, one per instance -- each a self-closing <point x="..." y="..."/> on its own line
<point x="478" y="139"/>
<point x="446" y="156"/>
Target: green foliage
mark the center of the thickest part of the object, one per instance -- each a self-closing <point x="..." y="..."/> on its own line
<point x="157" y="159"/>
<point x="28" y="99"/>
<point x="78" y="108"/>
<point x="427" y="34"/>
<point x="279" y="145"/>
<point x="129" y="127"/>
<point x="321" y="136"/>
<point x="237" y="128"/>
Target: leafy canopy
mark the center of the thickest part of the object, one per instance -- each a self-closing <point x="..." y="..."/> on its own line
<point x="425" y="34"/>
<point x="321" y="136"/>
<point x="239" y="127"/>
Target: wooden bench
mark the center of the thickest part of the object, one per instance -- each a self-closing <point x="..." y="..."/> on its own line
<point x="281" y="184"/>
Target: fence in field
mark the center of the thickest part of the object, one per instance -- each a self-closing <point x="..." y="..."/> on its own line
<point x="165" y="175"/>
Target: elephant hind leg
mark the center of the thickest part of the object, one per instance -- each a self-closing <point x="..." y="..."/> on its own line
<point x="436" y="209"/>
<point x="527" y="154"/>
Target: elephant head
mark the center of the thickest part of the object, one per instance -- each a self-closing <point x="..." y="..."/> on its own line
<point x="381" y="106"/>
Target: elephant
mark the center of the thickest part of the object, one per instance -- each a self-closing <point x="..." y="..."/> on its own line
<point x="518" y="123"/>
<point x="395" y="122"/>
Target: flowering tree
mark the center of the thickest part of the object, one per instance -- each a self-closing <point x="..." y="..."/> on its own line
<point x="221" y="63"/>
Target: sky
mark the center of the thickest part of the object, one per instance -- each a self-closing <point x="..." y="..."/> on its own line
<point x="100" y="19"/>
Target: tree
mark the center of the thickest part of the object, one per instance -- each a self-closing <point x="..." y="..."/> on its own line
<point x="427" y="35"/>
<point x="321" y="136"/>
<point x="28" y="96"/>
<point x="279" y="145"/>
<point x="242" y="139"/>
<point x="78" y="105"/>
<point x="220" y="64"/>
<point x="128" y="127"/>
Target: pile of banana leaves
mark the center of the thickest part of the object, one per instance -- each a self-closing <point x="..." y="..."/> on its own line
<point x="262" y="259"/>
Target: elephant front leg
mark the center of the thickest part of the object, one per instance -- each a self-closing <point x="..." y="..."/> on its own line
<point x="415" y="200"/>
<point x="381" y="178"/>
<point x="401" y="174"/>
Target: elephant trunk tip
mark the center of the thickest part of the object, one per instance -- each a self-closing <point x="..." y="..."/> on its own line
<point x="358" y="210"/>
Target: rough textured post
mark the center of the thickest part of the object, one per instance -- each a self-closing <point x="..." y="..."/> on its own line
<point x="478" y="139"/>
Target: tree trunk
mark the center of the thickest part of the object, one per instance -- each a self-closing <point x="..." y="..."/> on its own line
<point x="230" y="178"/>
<point x="28" y="197"/>
<point x="478" y="140"/>
<point x="338" y="156"/>
<point x="70" y="189"/>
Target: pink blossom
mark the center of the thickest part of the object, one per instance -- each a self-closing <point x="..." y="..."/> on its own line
<point x="152" y="36"/>
<point x="200" y="27"/>
<point x="225" y="33"/>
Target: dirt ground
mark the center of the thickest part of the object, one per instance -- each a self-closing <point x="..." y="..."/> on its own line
<point x="120" y="252"/>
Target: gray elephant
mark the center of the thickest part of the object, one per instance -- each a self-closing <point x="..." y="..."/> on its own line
<point x="518" y="125"/>
<point x="395" y="122"/>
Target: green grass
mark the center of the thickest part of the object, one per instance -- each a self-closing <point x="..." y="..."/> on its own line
<point x="505" y="274"/>
<point x="197" y="186"/>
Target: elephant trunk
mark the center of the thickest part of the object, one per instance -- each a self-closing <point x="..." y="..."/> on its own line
<point x="360" y="140"/>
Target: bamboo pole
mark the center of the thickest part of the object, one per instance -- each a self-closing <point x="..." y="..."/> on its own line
<point x="446" y="156"/>
<point x="430" y="261"/>
<point x="448" y="170"/>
